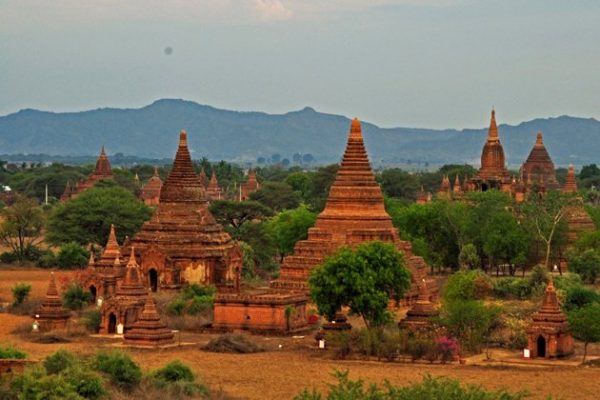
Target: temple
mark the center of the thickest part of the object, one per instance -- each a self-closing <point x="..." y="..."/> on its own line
<point x="251" y="185"/>
<point x="101" y="275"/>
<point x="182" y="243"/>
<point x="102" y="171"/>
<point x="149" y="330"/>
<point x="548" y="334"/>
<point x="354" y="213"/>
<point x="419" y="316"/>
<point x="150" y="193"/>
<point x="578" y="219"/>
<point x="213" y="190"/>
<point x="539" y="168"/>
<point x="51" y="314"/>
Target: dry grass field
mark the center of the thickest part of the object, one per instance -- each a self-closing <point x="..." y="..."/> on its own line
<point x="279" y="374"/>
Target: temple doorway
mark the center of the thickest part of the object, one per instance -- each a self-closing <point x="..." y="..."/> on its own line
<point x="93" y="292"/>
<point x="541" y="346"/>
<point x="153" y="276"/>
<point x="484" y="187"/>
<point x="112" y="323"/>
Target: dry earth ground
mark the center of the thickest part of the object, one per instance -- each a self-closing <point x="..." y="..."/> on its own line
<point x="279" y="374"/>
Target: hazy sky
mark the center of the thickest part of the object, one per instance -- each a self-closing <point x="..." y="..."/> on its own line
<point x="425" y="63"/>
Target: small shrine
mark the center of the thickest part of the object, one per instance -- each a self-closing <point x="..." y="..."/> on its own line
<point x="548" y="334"/>
<point x="149" y="330"/>
<point x="246" y="188"/>
<point x="420" y="314"/>
<point x="150" y="193"/>
<point x="51" y="314"/>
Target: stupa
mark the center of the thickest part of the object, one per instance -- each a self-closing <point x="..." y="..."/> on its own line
<point x="51" y="314"/>
<point x="102" y="171"/>
<point x="493" y="173"/>
<point x="420" y="314"/>
<point x="570" y="185"/>
<point x="445" y="191"/>
<point x="578" y="219"/>
<point x="149" y="330"/>
<point x="125" y="306"/>
<point x="548" y="335"/>
<point x="354" y="213"/>
<point x="539" y="166"/>
<point x="251" y="185"/>
<point x="182" y="243"/>
<point x="150" y="193"/>
<point x="214" y="191"/>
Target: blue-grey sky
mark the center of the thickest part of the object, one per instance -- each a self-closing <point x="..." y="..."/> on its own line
<point x="424" y="63"/>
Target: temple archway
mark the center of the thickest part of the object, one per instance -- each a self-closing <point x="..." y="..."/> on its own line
<point x="484" y="187"/>
<point x="541" y="346"/>
<point x="153" y="278"/>
<point x="94" y="293"/>
<point x="112" y="324"/>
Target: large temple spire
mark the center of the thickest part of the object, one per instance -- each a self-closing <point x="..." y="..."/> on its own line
<point x="493" y="129"/>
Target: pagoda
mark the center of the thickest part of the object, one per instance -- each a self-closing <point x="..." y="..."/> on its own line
<point x="539" y="167"/>
<point x="51" y="314"/>
<point x="101" y="275"/>
<point x="420" y="314"/>
<point x="457" y="188"/>
<point x="251" y="185"/>
<point x="214" y="191"/>
<point x="578" y="219"/>
<point x="445" y="191"/>
<point x="203" y="178"/>
<point x="570" y="185"/>
<point x="126" y="304"/>
<point x="493" y="173"/>
<point x="354" y="213"/>
<point x="102" y="171"/>
<point x="150" y="193"/>
<point x="548" y="334"/>
<point x="149" y="330"/>
<point x="182" y="243"/>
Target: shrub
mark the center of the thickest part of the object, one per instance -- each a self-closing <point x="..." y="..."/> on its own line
<point x="467" y="285"/>
<point x="586" y="264"/>
<point x="341" y="341"/>
<point x="35" y="384"/>
<point x="580" y="296"/>
<point x="59" y="361"/>
<point x="195" y="290"/>
<point x="177" y="307"/>
<point x="8" y="257"/>
<point x="538" y="276"/>
<point x="448" y="348"/>
<point x="469" y="321"/>
<point x="199" y="304"/>
<point x="512" y="288"/>
<point x="175" y="371"/>
<point x="72" y="255"/>
<point x="417" y="347"/>
<point x="75" y="297"/>
<point x="92" y="320"/>
<point x="232" y="343"/>
<point x="20" y="292"/>
<point x="10" y="352"/>
<point x="86" y="383"/>
<point x="122" y="371"/>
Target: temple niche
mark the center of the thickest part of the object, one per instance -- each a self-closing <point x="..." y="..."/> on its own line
<point x="548" y="334"/>
<point x="102" y="171"/>
<point x="182" y="243"/>
<point x="150" y="193"/>
<point x="354" y="213"/>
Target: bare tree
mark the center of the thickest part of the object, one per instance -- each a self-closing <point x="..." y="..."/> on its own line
<point x="21" y="226"/>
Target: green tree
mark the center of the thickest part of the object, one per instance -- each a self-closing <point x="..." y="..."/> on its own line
<point x="322" y="179"/>
<point x="301" y="183"/>
<point x="21" y="228"/>
<point x="505" y="240"/>
<point x="397" y="183"/>
<point x="585" y="325"/>
<point x="234" y="214"/>
<point x="277" y="196"/>
<point x="363" y="279"/>
<point x="72" y="255"/>
<point x="468" y="320"/>
<point x="87" y="218"/>
<point x="468" y="257"/>
<point x="288" y="227"/>
<point x="586" y="264"/>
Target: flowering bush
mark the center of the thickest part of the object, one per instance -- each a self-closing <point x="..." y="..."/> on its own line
<point x="448" y="348"/>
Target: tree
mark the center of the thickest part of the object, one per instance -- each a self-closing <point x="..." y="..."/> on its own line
<point x="468" y="257"/>
<point x="585" y="325"/>
<point x="234" y="214"/>
<point x="363" y="279"/>
<point x="397" y="183"/>
<point x="545" y="214"/>
<point x="322" y="180"/>
<point x="87" y="218"/>
<point x="21" y="229"/>
<point x="277" y="196"/>
<point x="301" y="183"/>
<point x="288" y="227"/>
<point x="586" y="264"/>
<point x="505" y="240"/>
<point x="469" y="321"/>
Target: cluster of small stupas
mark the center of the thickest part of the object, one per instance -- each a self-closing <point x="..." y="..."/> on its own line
<point x="102" y="172"/>
<point x="354" y="213"/>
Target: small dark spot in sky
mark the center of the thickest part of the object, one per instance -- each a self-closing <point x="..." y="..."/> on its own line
<point x="168" y="50"/>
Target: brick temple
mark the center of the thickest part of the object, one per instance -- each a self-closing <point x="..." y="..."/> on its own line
<point x="102" y="171"/>
<point x="52" y="315"/>
<point x="251" y="185"/>
<point x="354" y="213"/>
<point x="149" y="330"/>
<point x="150" y="193"/>
<point x="182" y="243"/>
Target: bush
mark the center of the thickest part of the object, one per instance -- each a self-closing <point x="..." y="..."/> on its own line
<point x="469" y="321"/>
<point x="467" y="285"/>
<point x="75" y="297"/>
<point x="92" y="320"/>
<point x="448" y="348"/>
<point x="580" y="296"/>
<point x="8" y="257"/>
<point x="10" y="352"/>
<point x="342" y="342"/>
<point x="195" y="290"/>
<point x="539" y="276"/>
<point x="59" y="361"/>
<point x="72" y="255"/>
<point x="177" y="307"/>
<point x="586" y="264"/>
<point x="35" y="384"/>
<point x="199" y="304"/>
<point x="175" y="371"/>
<point x="418" y="347"/>
<point x="232" y="343"/>
<point x="86" y="383"/>
<point x="512" y="288"/>
<point x="20" y="292"/>
<point x="122" y="371"/>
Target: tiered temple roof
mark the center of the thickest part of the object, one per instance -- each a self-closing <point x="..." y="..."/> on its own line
<point x="51" y="314"/>
<point x="354" y="213"/>
<point x="539" y="166"/>
<point x="182" y="242"/>
<point x="149" y="330"/>
<point x="102" y="171"/>
<point x="151" y="191"/>
<point x="419" y="315"/>
<point x="214" y="191"/>
<point x="493" y="163"/>
<point x="571" y="182"/>
<point x="251" y="185"/>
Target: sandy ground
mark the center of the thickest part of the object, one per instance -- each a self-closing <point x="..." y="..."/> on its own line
<point x="280" y="374"/>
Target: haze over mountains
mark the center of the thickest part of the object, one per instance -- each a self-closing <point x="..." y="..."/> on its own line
<point x="217" y="134"/>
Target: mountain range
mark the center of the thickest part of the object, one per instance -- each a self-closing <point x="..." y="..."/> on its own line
<point x="152" y="132"/>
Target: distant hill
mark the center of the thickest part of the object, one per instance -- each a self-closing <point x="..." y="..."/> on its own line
<point x="151" y="132"/>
